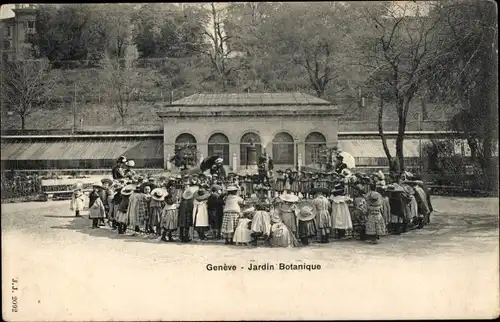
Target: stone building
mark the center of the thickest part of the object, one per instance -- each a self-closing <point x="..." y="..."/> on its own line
<point x="288" y="126"/>
<point x="16" y="31"/>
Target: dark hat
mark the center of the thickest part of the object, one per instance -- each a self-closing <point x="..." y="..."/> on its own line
<point x="151" y="179"/>
<point x="279" y="171"/>
<point x="340" y="157"/>
<point x="122" y="159"/>
<point x="215" y="188"/>
<point x="107" y="180"/>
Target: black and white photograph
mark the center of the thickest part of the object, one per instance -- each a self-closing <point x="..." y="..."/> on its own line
<point x="218" y="161"/>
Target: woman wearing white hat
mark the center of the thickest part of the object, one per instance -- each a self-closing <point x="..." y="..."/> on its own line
<point x="232" y="212"/>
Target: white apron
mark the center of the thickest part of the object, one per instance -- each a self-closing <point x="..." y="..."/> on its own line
<point x="200" y="213"/>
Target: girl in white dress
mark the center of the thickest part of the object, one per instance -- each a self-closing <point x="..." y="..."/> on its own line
<point x="242" y="234"/>
<point x="200" y="212"/>
<point x="341" y="217"/>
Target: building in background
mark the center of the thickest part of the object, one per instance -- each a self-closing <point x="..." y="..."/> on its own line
<point x="16" y="31"/>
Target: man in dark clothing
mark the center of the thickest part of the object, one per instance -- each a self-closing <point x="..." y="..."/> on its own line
<point x="118" y="171"/>
<point x="340" y="165"/>
<point x="215" y="208"/>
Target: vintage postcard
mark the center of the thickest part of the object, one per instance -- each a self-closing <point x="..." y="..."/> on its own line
<point x="222" y="161"/>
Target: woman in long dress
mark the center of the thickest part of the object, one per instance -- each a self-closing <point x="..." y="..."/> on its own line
<point x="185" y="218"/>
<point x="321" y="207"/>
<point x="200" y="212"/>
<point x="341" y="217"/>
<point x="169" y="218"/>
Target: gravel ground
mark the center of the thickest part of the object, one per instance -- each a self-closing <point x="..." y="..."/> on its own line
<point x="67" y="271"/>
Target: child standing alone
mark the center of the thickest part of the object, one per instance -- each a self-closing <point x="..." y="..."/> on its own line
<point x="77" y="200"/>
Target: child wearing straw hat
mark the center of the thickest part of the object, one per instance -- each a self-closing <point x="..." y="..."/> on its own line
<point x="121" y="215"/>
<point x="287" y="211"/>
<point x="375" y="225"/>
<point x="156" y="205"/>
<point x="321" y="207"/>
<point x="77" y="200"/>
<point x="232" y="212"/>
<point x="169" y="218"/>
<point x="307" y="226"/>
<point x="96" y="206"/>
<point x="242" y="233"/>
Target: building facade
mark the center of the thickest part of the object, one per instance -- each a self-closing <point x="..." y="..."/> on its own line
<point x="287" y="126"/>
<point x="16" y="32"/>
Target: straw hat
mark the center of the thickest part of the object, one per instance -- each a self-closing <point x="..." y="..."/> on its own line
<point x="130" y="163"/>
<point x="122" y="159"/>
<point x="159" y="194"/>
<point x="127" y="190"/>
<point x="107" y="180"/>
<point x="202" y="194"/>
<point x="232" y="187"/>
<point x="306" y="213"/>
<point x="97" y="185"/>
<point x="374" y="199"/>
<point x="289" y="198"/>
<point x="380" y="175"/>
<point x="322" y="190"/>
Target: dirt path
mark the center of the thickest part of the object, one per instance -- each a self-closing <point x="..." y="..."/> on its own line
<point x="67" y="271"/>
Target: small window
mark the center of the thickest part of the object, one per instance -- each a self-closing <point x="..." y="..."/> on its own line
<point x="31" y="24"/>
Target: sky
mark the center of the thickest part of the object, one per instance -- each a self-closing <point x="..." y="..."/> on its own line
<point x="6" y="11"/>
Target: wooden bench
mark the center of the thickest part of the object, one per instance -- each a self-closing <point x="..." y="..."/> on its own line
<point x="62" y="189"/>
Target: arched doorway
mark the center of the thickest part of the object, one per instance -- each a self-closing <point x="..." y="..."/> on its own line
<point x="315" y="141"/>
<point x="185" y="139"/>
<point x="283" y="149"/>
<point x="218" y="144"/>
<point x="245" y="143"/>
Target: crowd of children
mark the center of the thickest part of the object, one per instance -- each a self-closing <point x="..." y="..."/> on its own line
<point x="356" y="206"/>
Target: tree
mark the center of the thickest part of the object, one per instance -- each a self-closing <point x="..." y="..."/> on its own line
<point x="399" y="55"/>
<point x="117" y="19"/>
<point x="466" y="75"/>
<point x="119" y="84"/>
<point x="219" y="52"/>
<point x="314" y="37"/>
<point x="68" y="32"/>
<point x="25" y="87"/>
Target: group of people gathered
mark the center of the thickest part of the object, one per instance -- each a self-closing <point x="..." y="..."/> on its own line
<point x="244" y="210"/>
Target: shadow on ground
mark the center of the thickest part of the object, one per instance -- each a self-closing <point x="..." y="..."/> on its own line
<point x="446" y="233"/>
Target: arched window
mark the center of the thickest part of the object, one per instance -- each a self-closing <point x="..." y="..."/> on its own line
<point x="314" y="142"/>
<point x="184" y="139"/>
<point x="218" y="144"/>
<point x="283" y="149"/>
<point x="245" y="143"/>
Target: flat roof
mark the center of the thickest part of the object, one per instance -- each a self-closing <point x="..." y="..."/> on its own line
<point x="249" y="99"/>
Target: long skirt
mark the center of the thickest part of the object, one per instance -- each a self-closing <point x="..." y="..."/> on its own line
<point x="307" y="229"/>
<point x="229" y="223"/>
<point x="261" y="222"/>
<point x="375" y="224"/>
<point x="122" y="217"/>
<point x="341" y="217"/>
<point x="155" y="216"/>
<point x="169" y="219"/>
<point x="289" y="220"/>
